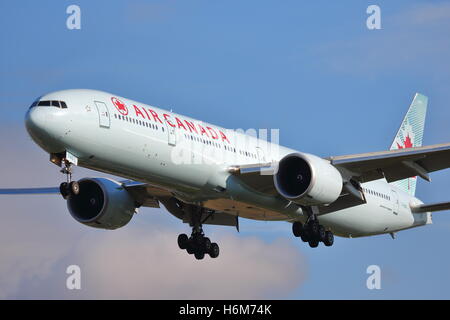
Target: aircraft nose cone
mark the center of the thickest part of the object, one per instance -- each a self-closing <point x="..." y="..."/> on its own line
<point x="41" y="127"/>
<point x="35" y="121"/>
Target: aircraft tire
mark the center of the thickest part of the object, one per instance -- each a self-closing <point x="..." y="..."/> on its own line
<point x="190" y="246"/>
<point x="313" y="243"/>
<point x="329" y="239"/>
<point x="297" y="228"/>
<point x="199" y="254"/>
<point x="74" y="188"/>
<point x="183" y="241"/>
<point x="214" y="251"/>
<point x="206" y="244"/>
<point x="313" y="229"/>
<point x="321" y="233"/>
<point x="64" y="189"/>
<point x="304" y="236"/>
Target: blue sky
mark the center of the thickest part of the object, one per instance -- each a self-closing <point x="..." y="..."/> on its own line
<point x="309" y="68"/>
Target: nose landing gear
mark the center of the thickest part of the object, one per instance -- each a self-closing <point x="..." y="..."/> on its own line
<point x="69" y="187"/>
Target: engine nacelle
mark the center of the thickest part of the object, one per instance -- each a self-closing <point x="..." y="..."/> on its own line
<point x="102" y="203"/>
<point x="307" y="179"/>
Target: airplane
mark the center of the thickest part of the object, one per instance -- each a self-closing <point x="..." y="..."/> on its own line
<point x="205" y="174"/>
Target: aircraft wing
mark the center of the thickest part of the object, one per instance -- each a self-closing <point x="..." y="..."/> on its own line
<point x="395" y="164"/>
<point x="141" y="192"/>
<point x="257" y="176"/>
<point x="260" y="178"/>
<point x="147" y="196"/>
<point x="18" y="191"/>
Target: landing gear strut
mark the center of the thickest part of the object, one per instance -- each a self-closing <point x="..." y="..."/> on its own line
<point x="313" y="232"/>
<point x="69" y="187"/>
<point x="197" y="244"/>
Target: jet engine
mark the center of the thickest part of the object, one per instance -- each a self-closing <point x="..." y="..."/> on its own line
<point x="307" y="180"/>
<point x="101" y="203"/>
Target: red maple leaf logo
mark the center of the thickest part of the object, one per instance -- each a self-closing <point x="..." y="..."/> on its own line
<point x="121" y="107"/>
<point x="406" y="144"/>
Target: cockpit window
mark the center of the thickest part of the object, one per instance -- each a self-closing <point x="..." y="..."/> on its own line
<point x="44" y="103"/>
<point x="50" y="103"/>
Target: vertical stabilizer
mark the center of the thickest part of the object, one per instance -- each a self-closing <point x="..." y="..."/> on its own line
<point x="410" y="135"/>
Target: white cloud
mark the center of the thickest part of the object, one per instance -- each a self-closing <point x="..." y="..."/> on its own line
<point x="32" y="240"/>
<point x="140" y="263"/>
<point x="147" y="264"/>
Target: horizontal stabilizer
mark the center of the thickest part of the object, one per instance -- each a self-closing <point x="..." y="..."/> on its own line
<point x="422" y="208"/>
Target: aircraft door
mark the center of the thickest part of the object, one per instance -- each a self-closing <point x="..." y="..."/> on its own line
<point x="171" y="135"/>
<point x="103" y="114"/>
<point x="261" y="155"/>
<point x="395" y="202"/>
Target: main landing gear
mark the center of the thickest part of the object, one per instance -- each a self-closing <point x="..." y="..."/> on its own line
<point x="69" y="187"/>
<point x="197" y="244"/>
<point x="313" y="233"/>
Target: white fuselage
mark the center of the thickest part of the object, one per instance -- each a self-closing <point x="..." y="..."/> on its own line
<point x="191" y="159"/>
